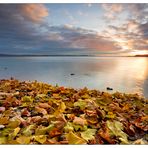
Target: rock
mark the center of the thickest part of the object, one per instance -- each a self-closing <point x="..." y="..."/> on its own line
<point x="109" y="88"/>
<point x="72" y="74"/>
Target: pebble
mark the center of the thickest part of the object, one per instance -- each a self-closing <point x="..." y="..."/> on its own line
<point x="109" y="88"/>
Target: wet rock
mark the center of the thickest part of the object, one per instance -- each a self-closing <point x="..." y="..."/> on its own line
<point x="109" y="88"/>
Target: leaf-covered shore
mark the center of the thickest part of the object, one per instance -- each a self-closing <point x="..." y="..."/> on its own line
<point x="39" y="113"/>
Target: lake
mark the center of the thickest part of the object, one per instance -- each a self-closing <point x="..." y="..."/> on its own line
<point x="124" y="74"/>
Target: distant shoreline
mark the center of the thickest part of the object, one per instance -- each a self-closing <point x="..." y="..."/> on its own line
<point x="42" y="55"/>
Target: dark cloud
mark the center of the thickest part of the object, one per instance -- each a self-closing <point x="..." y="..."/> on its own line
<point x="137" y="11"/>
<point x="20" y="29"/>
<point x="16" y="30"/>
<point x="143" y="28"/>
<point x="24" y="29"/>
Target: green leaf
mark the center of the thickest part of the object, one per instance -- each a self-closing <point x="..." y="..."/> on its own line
<point x="74" y="139"/>
<point x="27" y="99"/>
<point x="80" y="103"/>
<point x="116" y="129"/>
<point x="41" y="130"/>
<point x="68" y="127"/>
<point x="40" y="138"/>
<point x="29" y="130"/>
<point x="88" y="134"/>
<point x="79" y="127"/>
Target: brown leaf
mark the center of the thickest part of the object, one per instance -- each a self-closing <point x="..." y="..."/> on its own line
<point x="44" y="105"/>
<point x="105" y="135"/>
<point x="80" y="121"/>
<point x="25" y="112"/>
<point x="55" y="132"/>
<point x="41" y="110"/>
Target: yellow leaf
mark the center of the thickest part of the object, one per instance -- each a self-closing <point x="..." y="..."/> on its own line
<point x="23" y="140"/>
<point x="74" y="139"/>
<point x="60" y="109"/>
<point x="40" y="138"/>
<point x="4" y="120"/>
<point x="3" y="140"/>
<point x="14" y="124"/>
<point x="14" y="134"/>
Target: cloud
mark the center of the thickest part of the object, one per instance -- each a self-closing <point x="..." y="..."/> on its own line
<point x="20" y="28"/>
<point x="34" y="12"/>
<point x="132" y="35"/>
<point x="23" y="29"/>
<point x="77" y="38"/>
<point x="112" y="10"/>
<point x="137" y="11"/>
<point x="143" y="29"/>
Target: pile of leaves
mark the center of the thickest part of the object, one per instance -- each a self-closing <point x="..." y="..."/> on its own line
<point x="38" y="113"/>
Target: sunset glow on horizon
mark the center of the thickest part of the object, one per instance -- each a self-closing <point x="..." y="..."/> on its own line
<point x="74" y="29"/>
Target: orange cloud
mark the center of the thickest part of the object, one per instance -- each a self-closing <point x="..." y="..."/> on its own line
<point x="113" y="7"/>
<point x="95" y="42"/>
<point x="34" y="12"/>
<point x="112" y="10"/>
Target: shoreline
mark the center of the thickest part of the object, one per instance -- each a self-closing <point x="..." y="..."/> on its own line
<point x="41" y="113"/>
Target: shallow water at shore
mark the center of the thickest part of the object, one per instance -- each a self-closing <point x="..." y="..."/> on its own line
<point x="124" y="74"/>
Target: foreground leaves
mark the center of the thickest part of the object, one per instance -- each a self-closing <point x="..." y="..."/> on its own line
<point x="74" y="139"/>
<point x="88" y="134"/>
<point x="38" y="113"/>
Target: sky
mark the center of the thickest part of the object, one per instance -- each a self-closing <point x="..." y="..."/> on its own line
<point x="74" y="29"/>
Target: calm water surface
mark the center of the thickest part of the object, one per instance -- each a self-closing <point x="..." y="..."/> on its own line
<point x="125" y="74"/>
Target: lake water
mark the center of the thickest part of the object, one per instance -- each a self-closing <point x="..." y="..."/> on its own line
<point x="124" y="74"/>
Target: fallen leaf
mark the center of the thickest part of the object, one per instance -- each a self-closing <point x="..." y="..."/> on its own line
<point x="41" y="110"/>
<point x="14" y="133"/>
<point x="14" y="124"/>
<point x="40" y="138"/>
<point x="4" y="120"/>
<point x="29" y="130"/>
<point x="74" y="139"/>
<point x="80" y="121"/>
<point x="44" y="105"/>
<point x="88" y="134"/>
<point x="116" y="128"/>
<point x="3" y="140"/>
<point x="41" y="130"/>
<point x="23" y="140"/>
<point x="80" y="103"/>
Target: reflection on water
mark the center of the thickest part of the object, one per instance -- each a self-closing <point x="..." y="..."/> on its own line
<point x="125" y="74"/>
